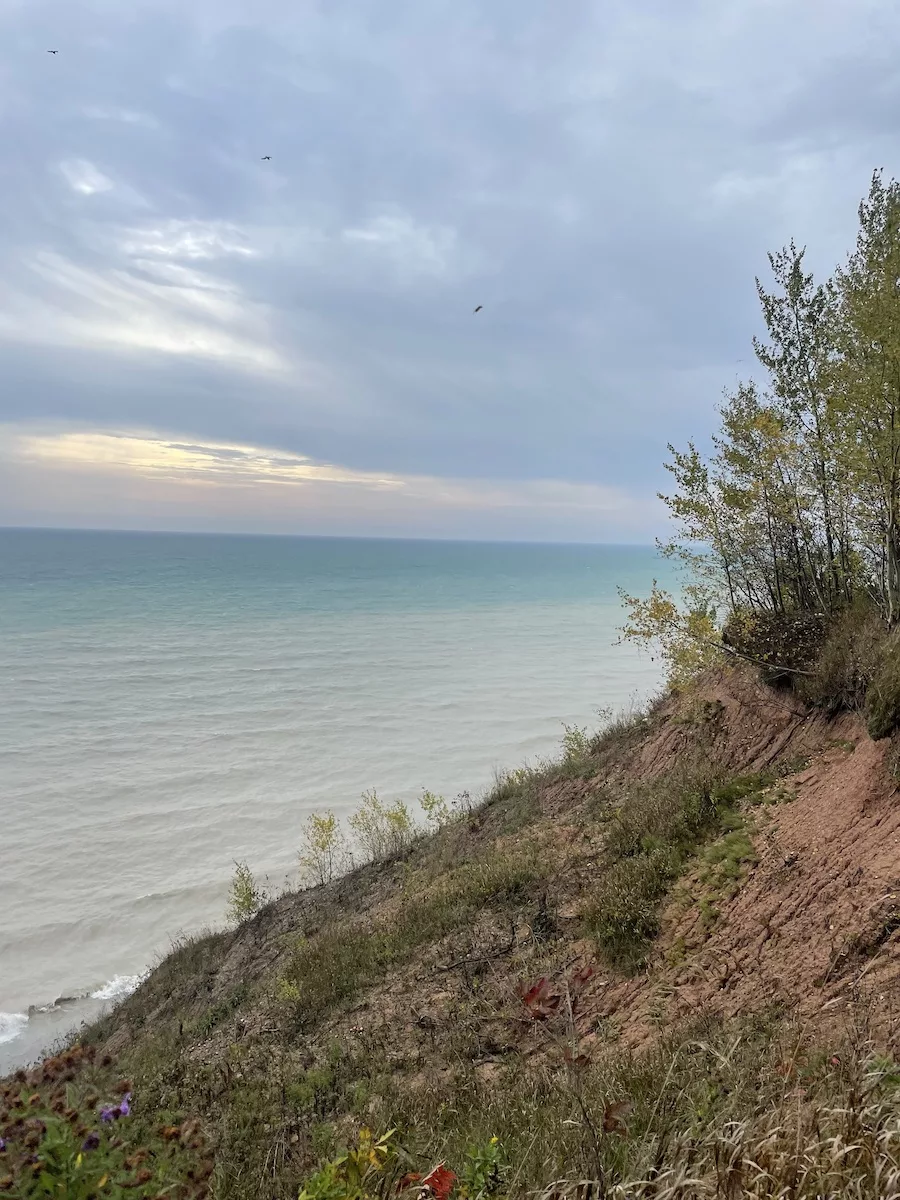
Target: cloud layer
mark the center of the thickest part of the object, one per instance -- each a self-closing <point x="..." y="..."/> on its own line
<point x="605" y="178"/>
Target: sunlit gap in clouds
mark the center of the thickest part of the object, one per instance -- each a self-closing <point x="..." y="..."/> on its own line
<point x="140" y="475"/>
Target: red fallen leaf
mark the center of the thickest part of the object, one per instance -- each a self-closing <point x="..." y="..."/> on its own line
<point x="440" y="1181"/>
<point x="612" y="1116"/>
<point x="580" y="977"/>
<point x="529" y="995"/>
<point x="408" y="1180"/>
<point x="539" y="1001"/>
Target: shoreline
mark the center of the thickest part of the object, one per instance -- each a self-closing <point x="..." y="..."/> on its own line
<point x="27" y="1036"/>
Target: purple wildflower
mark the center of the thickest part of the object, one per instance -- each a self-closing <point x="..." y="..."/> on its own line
<point x="121" y="1110"/>
<point x="92" y="1141"/>
<point x="2" y="1145"/>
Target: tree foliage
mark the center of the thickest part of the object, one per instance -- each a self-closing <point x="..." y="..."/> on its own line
<point x="323" y="852"/>
<point x="796" y="508"/>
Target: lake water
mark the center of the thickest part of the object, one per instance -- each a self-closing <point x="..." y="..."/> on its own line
<point x="173" y="703"/>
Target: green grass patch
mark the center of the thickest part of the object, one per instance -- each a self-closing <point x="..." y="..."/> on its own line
<point x="340" y="961"/>
<point x="709" y="1104"/>
<point x="656" y="830"/>
<point x="73" y="1127"/>
<point x="220" y="1011"/>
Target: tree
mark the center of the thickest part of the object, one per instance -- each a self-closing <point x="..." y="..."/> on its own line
<point x="245" y="898"/>
<point x="868" y="404"/>
<point x="801" y="356"/>
<point x="796" y="511"/>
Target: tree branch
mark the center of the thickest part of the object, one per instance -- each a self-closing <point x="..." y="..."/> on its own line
<point x="759" y="662"/>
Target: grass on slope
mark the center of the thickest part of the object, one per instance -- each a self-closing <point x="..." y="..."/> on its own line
<point x="256" y="1032"/>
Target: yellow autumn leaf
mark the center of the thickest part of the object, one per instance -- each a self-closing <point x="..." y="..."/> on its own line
<point x="103" y="1181"/>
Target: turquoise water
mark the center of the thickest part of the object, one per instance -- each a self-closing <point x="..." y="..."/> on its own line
<point x="172" y="703"/>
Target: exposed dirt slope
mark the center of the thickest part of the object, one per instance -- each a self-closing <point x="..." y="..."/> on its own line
<point x="418" y="965"/>
<point x="819" y="913"/>
<point x="816" y="915"/>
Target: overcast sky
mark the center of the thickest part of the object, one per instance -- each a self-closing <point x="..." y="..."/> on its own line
<point x="194" y="338"/>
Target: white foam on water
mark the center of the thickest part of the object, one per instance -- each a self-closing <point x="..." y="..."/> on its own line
<point x="12" y="1025"/>
<point x="119" y="987"/>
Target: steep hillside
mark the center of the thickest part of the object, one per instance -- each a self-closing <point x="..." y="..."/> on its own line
<point x="723" y="872"/>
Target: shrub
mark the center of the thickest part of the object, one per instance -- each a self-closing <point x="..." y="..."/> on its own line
<point x="382" y="830"/>
<point x="882" y="707"/>
<point x="439" y="811"/>
<point x="848" y="662"/>
<point x="245" y="898"/>
<point x="436" y="809"/>
<point x="323" y="852"/>
<point x="781" y="643"/>
<point x="624" y="913"/>
<point x="576" y="746"/>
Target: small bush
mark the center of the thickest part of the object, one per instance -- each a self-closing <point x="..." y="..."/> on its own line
<point x="436" y="809"/>
<point x="882" y="707"/>
<point x="576" y="759"/>
<point x="439" y="811"/>
<point x="848" y="662"/>
<point x="382" y="830"/>
<point x="323" y="852"/>
<point x="781" y="643"/>
<point x="73" y="1128"/>
<point x="624" y="913"/>
<point x="357" y="1174"/>
<point x="245" y="898"/>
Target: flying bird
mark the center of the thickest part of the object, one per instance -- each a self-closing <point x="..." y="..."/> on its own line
<point x="478" y="309"/>
<point x="267" y="158"/>
<point x="53" y="52"/>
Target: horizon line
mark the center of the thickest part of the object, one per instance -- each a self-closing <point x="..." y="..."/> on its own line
<point x="348" y="537"/>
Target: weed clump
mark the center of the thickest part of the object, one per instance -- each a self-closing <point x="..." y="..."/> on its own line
<point x="72" y="1127"/>
<point x="882" y="706"/>
<point x="657" y="828"/>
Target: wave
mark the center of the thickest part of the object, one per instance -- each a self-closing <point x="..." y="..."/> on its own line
<point x="119" y="987"/>
<point x="12" y="1025"/>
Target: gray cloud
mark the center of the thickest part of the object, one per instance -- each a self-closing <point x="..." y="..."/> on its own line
<point x="605" y="178"/>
